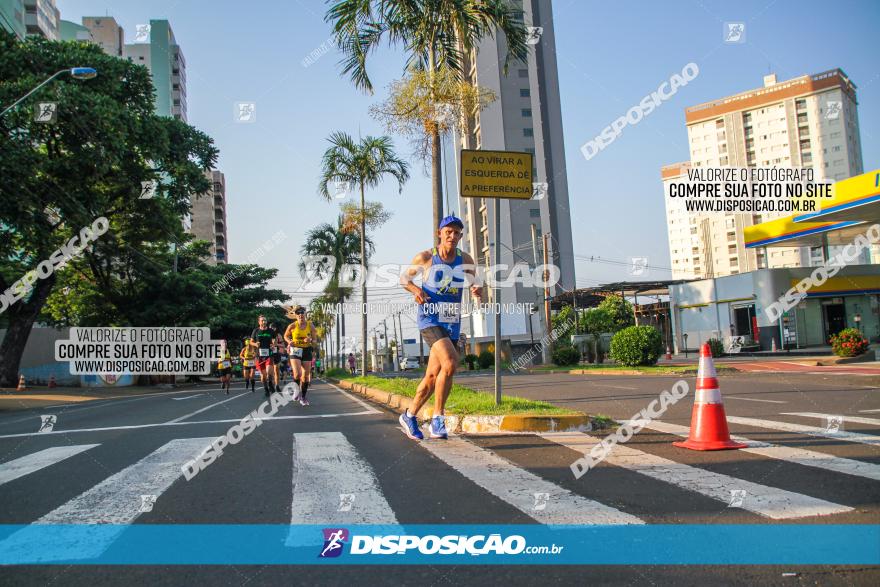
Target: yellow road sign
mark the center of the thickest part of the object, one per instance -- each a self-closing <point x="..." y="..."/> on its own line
<point x="496" y="174"/>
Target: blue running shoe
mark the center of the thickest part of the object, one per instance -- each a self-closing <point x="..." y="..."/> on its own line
<point x="438" y="427"/>
<point x="411" y="427"/>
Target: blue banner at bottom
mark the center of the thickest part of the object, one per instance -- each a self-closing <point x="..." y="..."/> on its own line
<point x="170" y="544"/>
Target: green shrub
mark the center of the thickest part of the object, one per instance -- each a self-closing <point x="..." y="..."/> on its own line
<point x="486" y="359"/>
<point x="636" y="346"/>
<point x="565" y="354"/>
<point x="716" y="346"/>
<point x="470" y="359"/>
<point x="849" y="342"/>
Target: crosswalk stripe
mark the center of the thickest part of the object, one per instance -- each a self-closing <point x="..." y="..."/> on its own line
<point x="116" y="500"/>
<point x="538" y="498"/>
<point x="34" y="462"/>
<point x="853" y="419"/>
<point x="767" y="501"/>
<point x="809" y="430"/>
<point x="809" y="458"/>
<point x="326" y="468"/>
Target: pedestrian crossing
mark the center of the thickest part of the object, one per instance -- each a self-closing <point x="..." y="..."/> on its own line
<point x="336" y="482"/>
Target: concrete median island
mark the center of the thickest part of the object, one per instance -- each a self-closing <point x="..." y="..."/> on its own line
<point x="469" y="411"/>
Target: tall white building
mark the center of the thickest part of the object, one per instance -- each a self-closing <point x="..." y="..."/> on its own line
<point x="808" y="121"/>
<point x="41" y="17"/>
<point x="525" y="117"/>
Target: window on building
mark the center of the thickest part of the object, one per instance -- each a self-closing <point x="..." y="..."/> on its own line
<point x="523" y="73"/>
<point x="527" y="112"/>
<point x="534" y="213"/>
<point x="525" y="93"/>
<point x="528" y="132"/>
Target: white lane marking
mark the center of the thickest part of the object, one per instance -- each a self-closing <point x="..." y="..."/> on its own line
<point x="206" y="408"/>
<point x="352" y="397"/>
<point x="808" y="458"/>
<point x="868" y="411"/>
<point x="325" y="466"/>
<point x="34" y="462"/>
<point x="116" y="500"/>
<point x="230" y="420"/>
<point x="774" y="503"/>
<point x="751" y="399"/>
<point x="188" y="396"/>
<point x="853" y="419"/>
<point x="518" y="487"/>
<point x="809" y="430"/>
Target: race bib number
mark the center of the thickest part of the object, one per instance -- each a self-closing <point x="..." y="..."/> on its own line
<point x="264" y="352"/>
<point x="296" y="352"/>
<point x="248" y="363"/>
<point x="449" y="313"/>
<point x="225" y="364"/>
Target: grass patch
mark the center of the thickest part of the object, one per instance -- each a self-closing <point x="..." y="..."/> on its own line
<point x="464" y="400"/>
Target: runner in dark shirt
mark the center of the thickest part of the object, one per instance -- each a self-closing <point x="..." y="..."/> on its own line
<point x="263" y="339"/>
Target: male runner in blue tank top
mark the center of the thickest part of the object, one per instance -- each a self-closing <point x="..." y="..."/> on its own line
<point x="439" y="320"/>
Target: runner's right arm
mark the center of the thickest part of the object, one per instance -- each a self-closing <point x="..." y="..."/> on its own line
<point x="418" y="264"/>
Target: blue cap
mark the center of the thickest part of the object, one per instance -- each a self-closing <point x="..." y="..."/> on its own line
<point x="451" y="220"/>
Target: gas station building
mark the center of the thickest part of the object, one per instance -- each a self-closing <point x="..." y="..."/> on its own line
<point x="733" y="308"/>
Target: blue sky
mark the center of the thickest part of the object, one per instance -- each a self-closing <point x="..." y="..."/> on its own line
<point x="610" y="55"/>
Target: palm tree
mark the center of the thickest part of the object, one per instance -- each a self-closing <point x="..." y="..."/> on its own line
<point x="435" y="33"/>
<point x="334" y="247"/>
<point x="363" y="164"/>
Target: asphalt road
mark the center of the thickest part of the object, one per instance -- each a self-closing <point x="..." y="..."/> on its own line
<point x="100" y="457"/>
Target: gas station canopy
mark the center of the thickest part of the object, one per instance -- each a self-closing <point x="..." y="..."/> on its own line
<point x="854" y="202"/>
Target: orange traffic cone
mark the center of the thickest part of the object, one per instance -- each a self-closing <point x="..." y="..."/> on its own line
<point x="708" y="420"/>
<point x="52" y="384"/>
<point x="21" y="384"/>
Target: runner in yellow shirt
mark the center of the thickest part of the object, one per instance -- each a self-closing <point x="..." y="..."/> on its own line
<point x="224" y="366"/>
<point x="248" y="358"/>
<point x="300" y="334"/>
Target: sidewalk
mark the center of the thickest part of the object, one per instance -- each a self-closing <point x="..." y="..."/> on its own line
<point x="39" y="396"/>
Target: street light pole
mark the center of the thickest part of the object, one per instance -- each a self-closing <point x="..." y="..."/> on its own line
<point x="75" y="72"/>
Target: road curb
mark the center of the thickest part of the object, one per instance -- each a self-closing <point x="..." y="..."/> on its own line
<point x="477" y="423"/>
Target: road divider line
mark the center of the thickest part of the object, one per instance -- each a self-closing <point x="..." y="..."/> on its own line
<point x="118" y="500"/>
<point x="160" y="424"/>
<point x="333" y="485"/>
<point x="31" y="463"/>
<point x="869" y="411"/>
<point x="206" y="408"/>
<point x="188" y="397"/>
<point x="808" y="458"/>
<point x="534" y="496"/>
<point x="771" y="502"/>
<point x="808" y="430"/>
<point x="853" y="419"/>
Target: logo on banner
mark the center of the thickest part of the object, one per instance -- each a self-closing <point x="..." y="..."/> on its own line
<point x="334" y="540"/>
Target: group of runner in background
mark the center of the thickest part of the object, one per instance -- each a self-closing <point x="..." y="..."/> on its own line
<point x="276" y="356"/>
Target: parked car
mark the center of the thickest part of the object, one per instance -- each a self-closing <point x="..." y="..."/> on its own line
<point x="408" y="363"/>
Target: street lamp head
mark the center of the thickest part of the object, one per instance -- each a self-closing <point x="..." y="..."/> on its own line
<point x="83" y="72"/>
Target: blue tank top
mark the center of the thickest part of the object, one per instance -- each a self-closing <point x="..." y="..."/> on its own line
<point x="443" y="287"/>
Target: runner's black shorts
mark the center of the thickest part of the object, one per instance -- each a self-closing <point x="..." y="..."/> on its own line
<point x="225" y="372"/>
<point x="306" y="356"/>
<point x="276" y="358"/>
<point x="432" y="334"/>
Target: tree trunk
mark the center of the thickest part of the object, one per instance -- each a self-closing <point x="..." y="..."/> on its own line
<point x="22" y="316"/>
<point x="337" y="343"/>
<point x="344" y="356"/>
<point x="363" y="284"/>
<point x="436" y="182"/>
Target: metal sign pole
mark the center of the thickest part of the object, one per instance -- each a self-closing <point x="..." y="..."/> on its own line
<point x="497" y="305"/>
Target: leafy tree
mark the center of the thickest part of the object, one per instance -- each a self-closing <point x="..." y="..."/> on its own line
<point x="435" y="34"/>
<point x="330" y="247"/>
<point x="597" y="321"/>
<point x="620" y="310"/>
<point x="364" y="164"/>
<point x="91" y="162"/>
